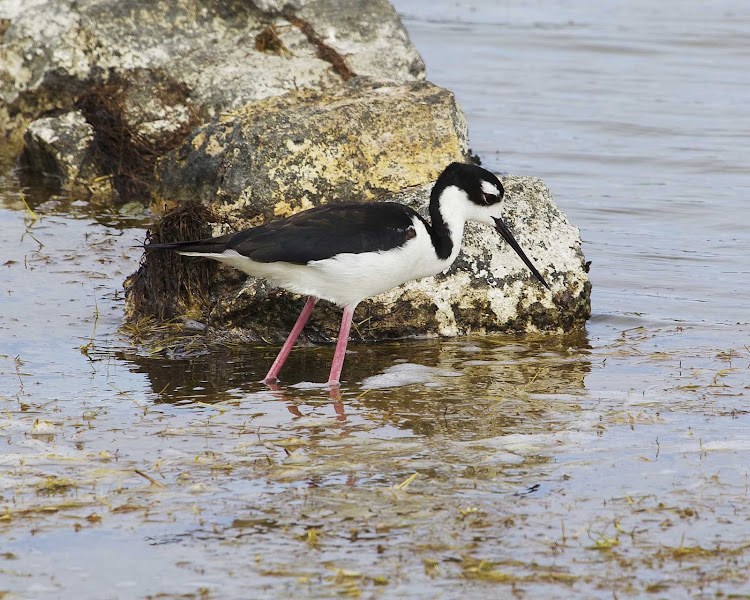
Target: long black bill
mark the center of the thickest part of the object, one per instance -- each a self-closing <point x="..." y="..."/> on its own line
<point x="505" y="232"/>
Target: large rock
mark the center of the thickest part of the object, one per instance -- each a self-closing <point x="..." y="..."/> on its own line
<point x="488" y="288"/>
<point x="281" y="155"/>
<point x="362" y="142"/>
<point x="222" y="54"/>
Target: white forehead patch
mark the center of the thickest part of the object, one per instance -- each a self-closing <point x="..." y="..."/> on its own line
<point x="489" y="188"/>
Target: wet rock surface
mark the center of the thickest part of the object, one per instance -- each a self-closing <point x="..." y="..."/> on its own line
<point x="62" y="149"/>
<point x="488" y="288"/>
<point x="225" y="54"/>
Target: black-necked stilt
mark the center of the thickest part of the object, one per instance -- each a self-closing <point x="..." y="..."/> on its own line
<point x="345" y="253"/>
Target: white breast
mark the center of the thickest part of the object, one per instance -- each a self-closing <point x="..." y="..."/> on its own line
<point x="354" y="277"/>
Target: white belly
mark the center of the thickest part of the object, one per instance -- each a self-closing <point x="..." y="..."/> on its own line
<point x="348" y="279"/>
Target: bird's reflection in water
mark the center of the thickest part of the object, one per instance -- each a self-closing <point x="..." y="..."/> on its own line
<point x="498" y="382"/>
<point x="334" y="393"/>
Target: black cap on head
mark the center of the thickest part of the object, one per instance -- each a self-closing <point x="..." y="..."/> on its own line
<point x="469" y="178"/>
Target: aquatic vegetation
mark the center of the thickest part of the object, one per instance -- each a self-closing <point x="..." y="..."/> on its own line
<point x="401" y="487"/>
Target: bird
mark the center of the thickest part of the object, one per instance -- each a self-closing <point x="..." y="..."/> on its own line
<point x="346" y="252"/>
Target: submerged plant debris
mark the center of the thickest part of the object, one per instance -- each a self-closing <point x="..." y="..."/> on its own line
<point x="544" y="466"/>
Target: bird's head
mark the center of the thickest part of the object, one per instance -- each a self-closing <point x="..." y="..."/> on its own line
<point x="477" y="195"/>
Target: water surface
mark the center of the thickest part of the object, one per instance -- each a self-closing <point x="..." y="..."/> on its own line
<point x="606" y="463"/>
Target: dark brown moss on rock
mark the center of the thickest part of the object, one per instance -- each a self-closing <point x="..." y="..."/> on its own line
<point x="167" y="285"/>
<point x="126" y="147"/>
<point x="268" y="40"/>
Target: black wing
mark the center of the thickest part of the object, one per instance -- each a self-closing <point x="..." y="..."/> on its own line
<point x="325" y="231"/>
<point x="315" y="234"/>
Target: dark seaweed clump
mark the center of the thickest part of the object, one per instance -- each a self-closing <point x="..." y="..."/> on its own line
<point x="167" y="285"/>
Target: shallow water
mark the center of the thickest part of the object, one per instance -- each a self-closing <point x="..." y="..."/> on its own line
<point x="608" y="463"/>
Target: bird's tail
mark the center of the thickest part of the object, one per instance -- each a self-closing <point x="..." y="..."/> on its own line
<point x="196" y="247"/>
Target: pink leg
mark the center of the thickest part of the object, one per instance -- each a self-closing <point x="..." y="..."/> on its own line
<point x="338" y="357"/>
<point x="273" y="374"/>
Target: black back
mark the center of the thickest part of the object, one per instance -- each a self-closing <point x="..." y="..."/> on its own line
<point x="325" y="231"/>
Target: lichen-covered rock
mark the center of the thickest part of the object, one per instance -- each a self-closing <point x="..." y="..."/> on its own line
<point x="62" y="147"/>
<point x="226" y="53"/>
<point x="488" y="288"/>
<point x="281" y="155"/>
